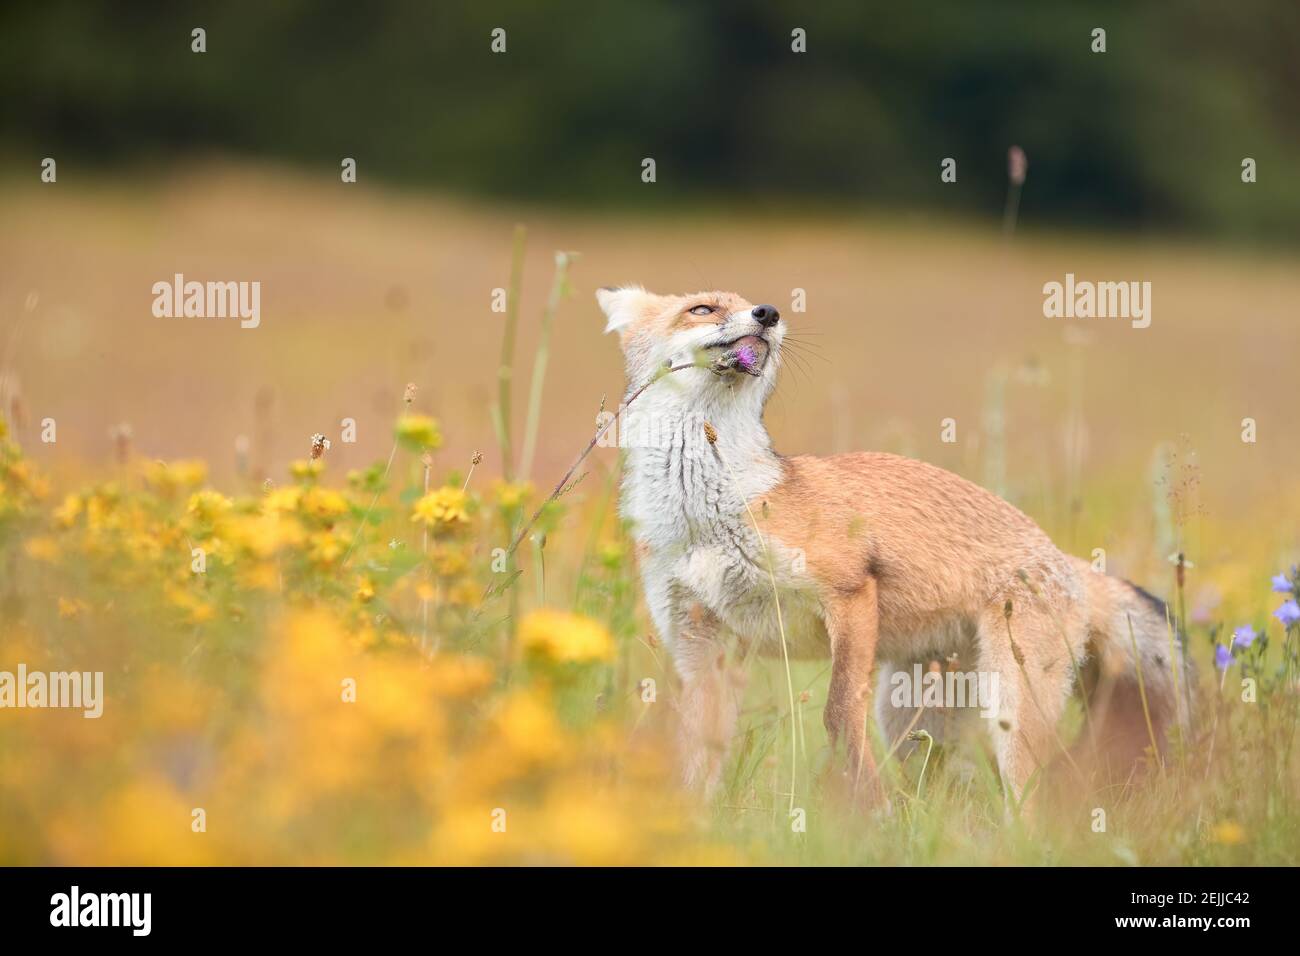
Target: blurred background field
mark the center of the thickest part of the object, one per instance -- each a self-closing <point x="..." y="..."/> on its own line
<point x="776" y="172"/>
<point x="909" y="321"/>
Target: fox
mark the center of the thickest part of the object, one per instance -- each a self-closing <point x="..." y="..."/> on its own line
<point x="877" y="561"/>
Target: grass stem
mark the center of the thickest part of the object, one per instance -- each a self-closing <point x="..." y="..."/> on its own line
<point x="505" y="368"/>
<point x="559" y="288"/>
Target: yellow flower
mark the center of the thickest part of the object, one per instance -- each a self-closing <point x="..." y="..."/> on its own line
<point x="455" y="676"/>
<point x="42" y="549"/>
<point x="1228" y="833"/>
<point x="39" y="487"/>
<point x="444" y="506"/>
<point x="202" y="611"/>
<point x="197" y="610"/>
<point x="323" y="503"/>
<point x="418" y="432"/>
<point x="146" y="546"/>
<point x="563" y="637"/>
<point x="464" y="834"/>
<point x="305" y="468"/>
<point x="449" y="562"/>
<point x="208" y="505"/>
<point x="528" y="727"/>
<point x="167" y="479"/>
<point x="137" y="826"/>
<point x="25" y="478"/>
<point x="72" y="607"/>
<point x="283" y="499"/>
<point x="326" y="547"/>
<point x="465" y="593"/>
<point x="396" y="698"/>
<point x="263" y="535"/>
<point x="587" y="827"/>
<point x="66" y="513"/>
<point x="260" y="575"/>
<point x="216" y="549"/>
<point x="511" y="495"/>
<point x="365" y="591"/>
<point x="100" y="508"/>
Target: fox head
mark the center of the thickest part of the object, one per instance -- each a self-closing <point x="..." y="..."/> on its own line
<point x="736" y="344"/>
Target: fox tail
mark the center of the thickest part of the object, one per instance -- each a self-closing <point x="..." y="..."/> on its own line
<point x="1138" y="681"/>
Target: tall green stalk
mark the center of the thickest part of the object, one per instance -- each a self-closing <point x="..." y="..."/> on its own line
<point x="559" y="288"/>
<point x="505" y="368"/>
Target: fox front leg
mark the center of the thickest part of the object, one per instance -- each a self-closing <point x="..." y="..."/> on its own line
<point x="852" y="623"/>
<point x="712" y="684"/>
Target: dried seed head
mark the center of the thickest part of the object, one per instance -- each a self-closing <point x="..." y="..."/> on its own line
<point x="242" y="448"/>
<point x="478" y="457"/>
<point x="409" y="395"/>
<point x="1017" y="165"/>
<point x="1016" y="652"/>
<point x="12" y="387"/>
<point x="121" y="436"/>
<point x="319" y="445"/>
<point x="710" y="433"/>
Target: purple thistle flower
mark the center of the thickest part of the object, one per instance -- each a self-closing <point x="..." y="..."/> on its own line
<point x="1244" y="636"/>
<point x="747" y="357"/>
<point x="1288" y="613"/>
<point x="1222" y="657"/>
<point x="1281" y="585"/>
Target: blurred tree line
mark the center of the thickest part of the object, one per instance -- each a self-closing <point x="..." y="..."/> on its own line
<point x="1151" y="132"/>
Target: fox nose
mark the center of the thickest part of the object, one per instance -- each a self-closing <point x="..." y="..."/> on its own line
<point x="766" y="315"/>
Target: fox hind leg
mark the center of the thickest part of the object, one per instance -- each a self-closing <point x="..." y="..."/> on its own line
<point x="1025" y="649"/>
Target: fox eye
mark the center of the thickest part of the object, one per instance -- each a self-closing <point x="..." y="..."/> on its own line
<point x="702" y="310"/>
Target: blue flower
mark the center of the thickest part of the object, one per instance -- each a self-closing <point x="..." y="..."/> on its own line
<point x="1288" y="613"/>
<point x="1244" y="636"/>
<point x="1281" y="585"/>
<point x="1222" y="657"/>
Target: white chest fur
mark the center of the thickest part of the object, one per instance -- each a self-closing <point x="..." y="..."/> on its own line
<point x="687" y="500"/>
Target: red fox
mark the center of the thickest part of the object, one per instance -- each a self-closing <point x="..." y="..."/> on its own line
<point x="880" y="562"/>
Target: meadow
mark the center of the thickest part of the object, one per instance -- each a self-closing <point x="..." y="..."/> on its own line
<point x="320" y="654"/>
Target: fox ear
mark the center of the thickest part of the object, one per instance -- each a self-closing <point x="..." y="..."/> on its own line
<point x="619" y="305"/>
